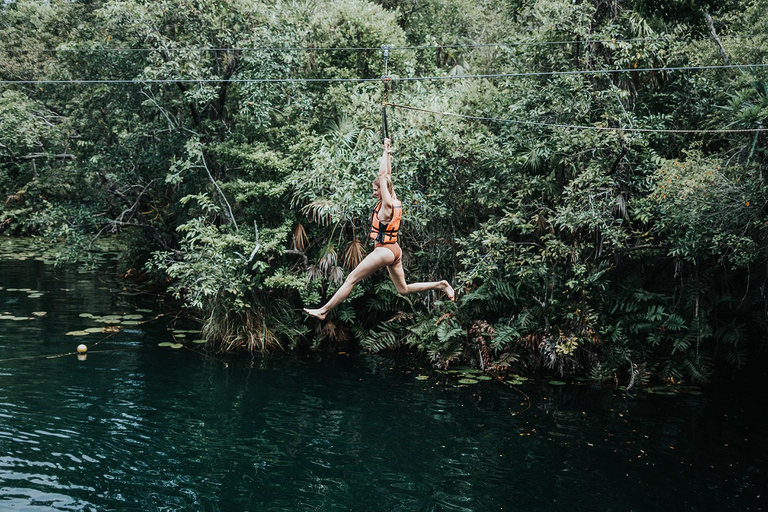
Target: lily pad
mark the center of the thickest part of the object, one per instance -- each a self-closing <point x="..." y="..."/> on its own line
<point x="77" y="333"/>
<point x="422" y="377"/>
<point x="468" y="381"/>
<point x="39" y="313"/>
<point x="132" y="317"/>
<point x="199" y="342"/>
<point x="180" y="335"/>
<point x="94" y="329"/>
<point x="132" y="322"/>
<point x="556" y="383"/>
<point x="85" y="315"/>
<point x="176" y="345"/>
<point x="484" y="377"/>
<point x="143" y="310"/>
<point x="165" y="344"/>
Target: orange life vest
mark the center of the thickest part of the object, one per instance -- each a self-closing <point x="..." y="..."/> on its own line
<point x="386" y="232"/>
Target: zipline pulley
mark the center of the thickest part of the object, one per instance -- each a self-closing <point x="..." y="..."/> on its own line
<point x="385" y="48"/>
<point x="385" y="77"/>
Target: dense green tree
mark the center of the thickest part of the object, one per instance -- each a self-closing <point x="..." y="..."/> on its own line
<point x="585" y="226"/>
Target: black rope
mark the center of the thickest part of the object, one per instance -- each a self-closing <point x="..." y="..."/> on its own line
<point x="385" y="79"/>
<point x="384" y="126"/>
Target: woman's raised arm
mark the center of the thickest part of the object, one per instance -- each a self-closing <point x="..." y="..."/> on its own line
<point x="385" y="173"/>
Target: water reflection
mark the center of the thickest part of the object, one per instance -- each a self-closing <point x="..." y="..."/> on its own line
<point x="141" y="427"/>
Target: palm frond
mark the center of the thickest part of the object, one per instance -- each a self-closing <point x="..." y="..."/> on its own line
<point x="353" y="254"/>
<point x="300" y="239"/>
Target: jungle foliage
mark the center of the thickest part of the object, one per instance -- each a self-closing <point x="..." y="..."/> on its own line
<point x="624" y="255"/>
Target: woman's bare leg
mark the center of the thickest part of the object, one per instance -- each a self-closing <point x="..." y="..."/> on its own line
<point x="397" y="275"/>
<point x="378" y="258"/>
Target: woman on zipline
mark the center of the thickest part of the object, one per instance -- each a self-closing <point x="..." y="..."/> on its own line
<point x="385" y="223"/>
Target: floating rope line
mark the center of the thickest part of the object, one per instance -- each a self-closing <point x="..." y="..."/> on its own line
<point x="578" y="126"/>
<point x="57" y="356"/>
<point x="527" y="398"/>
<point x="528" y="74"/>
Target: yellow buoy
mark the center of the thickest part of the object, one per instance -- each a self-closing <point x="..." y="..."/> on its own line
<point x="82" y="349"/>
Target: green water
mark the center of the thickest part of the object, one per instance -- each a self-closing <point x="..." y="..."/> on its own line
<point x="140" y="427"/>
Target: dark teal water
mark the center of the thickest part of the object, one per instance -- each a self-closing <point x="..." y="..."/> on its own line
<point x="141" y="427"/>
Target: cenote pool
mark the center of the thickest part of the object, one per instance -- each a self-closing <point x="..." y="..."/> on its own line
<point x="137" y="426"/>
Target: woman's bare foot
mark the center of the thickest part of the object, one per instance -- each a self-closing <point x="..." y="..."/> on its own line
<point x="448" y="289"/>
<point x="317" y="313"/>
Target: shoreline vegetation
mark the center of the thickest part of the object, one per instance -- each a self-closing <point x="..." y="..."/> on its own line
<point x="596" y="197"/>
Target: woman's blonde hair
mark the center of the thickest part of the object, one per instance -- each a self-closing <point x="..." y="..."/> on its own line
<point x="391" y="189"/>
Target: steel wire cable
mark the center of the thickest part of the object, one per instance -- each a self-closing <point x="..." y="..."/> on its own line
<point x="581" y="127"/>
<point x="330" y="48"/>
<point x="524" y="74"/>
<point x="364" y="48"/>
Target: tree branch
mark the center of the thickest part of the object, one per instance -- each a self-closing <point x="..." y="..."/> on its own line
<point x="294" y="252"/>
<point x="221" y="192"/>
<point x="713" y="34"/>
<point x="35" y="156"/>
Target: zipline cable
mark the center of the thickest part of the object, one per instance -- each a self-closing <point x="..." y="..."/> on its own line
<point x="526" y="74"/>
<point x="360" y="48"/>
<point x="579" y="127"/>
<point x="329" y="48"/>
